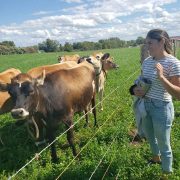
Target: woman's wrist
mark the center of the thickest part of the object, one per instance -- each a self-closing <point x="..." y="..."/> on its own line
<point x="162" y="78"/>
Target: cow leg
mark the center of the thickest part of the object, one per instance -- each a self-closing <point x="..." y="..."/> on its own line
<point x="87" y="118"/>
<point x="89" y="108"/>
<point x="70" y="136"/>
<point x="101" y="98"/>
<point x="51" y="138"/>
<point x="93" y="101"/>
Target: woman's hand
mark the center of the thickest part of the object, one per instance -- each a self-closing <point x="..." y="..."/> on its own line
<point x="159" y="68"/>
<point x="138" y="91"/>
<point x="172" y="85"/>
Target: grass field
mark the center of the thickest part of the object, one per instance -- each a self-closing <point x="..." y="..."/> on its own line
<point x="106" y="152"/>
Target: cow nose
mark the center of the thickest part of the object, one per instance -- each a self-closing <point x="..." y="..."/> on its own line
<point x="19" y="113"/>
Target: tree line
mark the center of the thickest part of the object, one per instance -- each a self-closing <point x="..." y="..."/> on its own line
<point x="49" y="45"/>
<point x="9" y="47"/>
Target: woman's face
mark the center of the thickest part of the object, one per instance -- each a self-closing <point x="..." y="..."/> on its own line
<point x="154" y="46"/>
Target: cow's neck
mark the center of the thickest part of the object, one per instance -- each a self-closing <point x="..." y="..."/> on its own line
<point x="104" y="71"/>
<point x="39" y="100"/>
<point x="99" y="70"/>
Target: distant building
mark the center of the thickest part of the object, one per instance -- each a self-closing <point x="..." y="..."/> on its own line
<point x="175" y="38"/>
<point x="175" y="44"/>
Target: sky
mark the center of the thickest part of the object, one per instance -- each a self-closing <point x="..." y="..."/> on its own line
<point x="29" y="22"/>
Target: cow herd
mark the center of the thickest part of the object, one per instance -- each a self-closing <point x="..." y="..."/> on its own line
<point x="48" y="95"/>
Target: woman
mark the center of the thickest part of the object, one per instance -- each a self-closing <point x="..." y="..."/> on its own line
<point x="138" y="135"/>
<point x="164" y="72"/>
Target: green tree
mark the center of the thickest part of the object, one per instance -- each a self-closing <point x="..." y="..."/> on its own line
<point x="8" y="43"/>
<point x="140" y="40"/>
<point x="52" y="45"/>
<point x="131" y="43"/>
<point x="61" y="47"/>
<point x="68" y="47"/>
<point x="77" y="46"/>
<point x="86" y="45"/>
<point x="97" y="46"/>
<point x="49" y="45"/>
<point x="30" y="49"/>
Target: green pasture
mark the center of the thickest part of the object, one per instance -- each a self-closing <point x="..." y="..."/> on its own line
<point x="106" y="151"/>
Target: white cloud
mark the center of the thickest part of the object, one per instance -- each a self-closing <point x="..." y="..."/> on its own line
<point x="41" y="13"/>
<point x="75" y="9"/>
<point x="8" y="31"/>
<point x="96" y="20"/>
<point x="73" y="1"/>
<point x="41" y="34"/>
<point x="148" y="20"/>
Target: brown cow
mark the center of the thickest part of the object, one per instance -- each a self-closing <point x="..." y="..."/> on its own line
<point x="37" y="71"/>
<point x="6" y="103"/>
<point x="107" y="61"/>
<point x="106" y="64"/>
<point x="36" y="123"/>
<point x="7" y="75"/>
<point x="65" y="58"/>
<point x="98" y="55"/>
<point x="54" y="98"/>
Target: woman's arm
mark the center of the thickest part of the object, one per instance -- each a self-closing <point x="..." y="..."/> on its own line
<point x="172" y="85"/>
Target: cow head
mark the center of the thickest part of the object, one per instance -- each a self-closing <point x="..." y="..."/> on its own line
<point x="108" y="62"/>
<point x="61" y="59"/>
<point x="98" y="55"/>
<point x="23" y="90"/>
<point x="95" y="62"/>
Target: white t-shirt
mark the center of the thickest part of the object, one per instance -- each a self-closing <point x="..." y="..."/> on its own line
<point x="171" y="67"/>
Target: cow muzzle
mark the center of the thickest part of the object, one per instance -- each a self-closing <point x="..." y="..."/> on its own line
<point x="19" y="113"/>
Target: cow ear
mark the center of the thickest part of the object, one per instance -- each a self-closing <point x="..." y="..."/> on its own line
<point x="3" y="87"/>
<point x="98" y="57"/>
<point x="105" y="56"/>
<point x="40" y="79"/>
<point x="89" y="60"/>
<point x="80" y="60"/>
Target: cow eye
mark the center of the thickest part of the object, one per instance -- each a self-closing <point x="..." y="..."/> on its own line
<point x="12" y="92"/>
<point x="27" y="89"/>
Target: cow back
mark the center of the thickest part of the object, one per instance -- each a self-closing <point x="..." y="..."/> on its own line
<point x="37" y="71"/>
<point x="6" y="76"/>
<point x="66" y="58"/>
<point x="70" y="89"/>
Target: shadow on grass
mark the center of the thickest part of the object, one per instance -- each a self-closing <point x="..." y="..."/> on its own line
<point x="16" y="147"/>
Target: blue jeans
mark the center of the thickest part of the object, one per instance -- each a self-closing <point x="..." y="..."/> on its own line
<point x="157" y="127"/>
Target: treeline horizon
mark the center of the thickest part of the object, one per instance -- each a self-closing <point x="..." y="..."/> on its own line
<point x="49" y="45"/>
